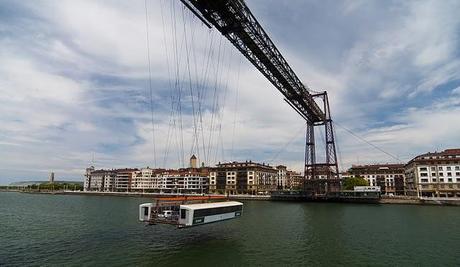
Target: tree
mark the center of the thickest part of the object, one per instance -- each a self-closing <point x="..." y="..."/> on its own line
<point x="350" y="183"/>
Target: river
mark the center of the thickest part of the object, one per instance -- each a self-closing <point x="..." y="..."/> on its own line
<point x="38" y="229"/>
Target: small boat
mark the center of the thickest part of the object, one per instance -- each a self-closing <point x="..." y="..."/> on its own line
<point x="176" y="211"/>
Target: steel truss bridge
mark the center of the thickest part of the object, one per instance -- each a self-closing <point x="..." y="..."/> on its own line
<point x="235" y="21"/>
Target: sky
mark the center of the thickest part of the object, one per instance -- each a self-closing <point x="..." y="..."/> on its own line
<point x="133" y="84"/>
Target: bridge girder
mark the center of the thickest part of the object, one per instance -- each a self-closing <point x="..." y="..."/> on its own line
<point x="236" y="22"/>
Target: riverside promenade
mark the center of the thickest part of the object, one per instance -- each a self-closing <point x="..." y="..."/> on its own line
<point x="402" y="200"/>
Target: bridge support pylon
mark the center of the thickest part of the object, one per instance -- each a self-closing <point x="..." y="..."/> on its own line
<point x="321" y="178"/>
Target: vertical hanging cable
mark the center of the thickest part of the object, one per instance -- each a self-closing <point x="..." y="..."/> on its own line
<point x="215" y="99"/>
<point x="177" y="121"/>
<point x="236" y="109"/>
<point x="221" y="106"/>
<point x="202" y="93"/>
<point x="150" y="84"/>
<point x="171" y="88"/>
<point x="187" y="52"/>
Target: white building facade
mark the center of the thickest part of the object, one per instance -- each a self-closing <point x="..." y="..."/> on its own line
<point x="434" y="174"/>
<point x="282" y="177"/>
<point x="243" y="178"/>
<point x="146" y="180"/>
<point x="390" y="177"/>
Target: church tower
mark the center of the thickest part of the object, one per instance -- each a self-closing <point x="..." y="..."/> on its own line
<point x="193" y="161"/>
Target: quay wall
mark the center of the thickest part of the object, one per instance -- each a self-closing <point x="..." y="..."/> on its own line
<point x="402" y="200"/>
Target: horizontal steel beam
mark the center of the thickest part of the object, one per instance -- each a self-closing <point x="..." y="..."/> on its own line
<point x="236" y="22"/>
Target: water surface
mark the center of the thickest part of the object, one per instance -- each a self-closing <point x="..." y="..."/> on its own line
<point x="101" y="230"/>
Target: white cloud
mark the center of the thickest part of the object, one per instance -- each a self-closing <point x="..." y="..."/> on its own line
<point x="74" y="74"/>
<point x="456" y="91"/>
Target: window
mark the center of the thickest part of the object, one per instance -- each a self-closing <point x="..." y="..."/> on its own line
<point x="449" y="174"/>
<point x="182" y="213"/>
<point x="434" y="180"/>
<point x="449" y="180"/>
<point x="440" y="168"/>
<point x="423" y="169"/>
<point x="424" y="180"/>
<point x="433" y="168"/>
<point x="448" y="168"/>
<point x="441" y="180"/>
<point x="146" y="211"/>
<point x="214" y="211"/>
<point x="457" y="168"/>
<point x="433" y="174"/>
<point x="441" y="174"/>
<point x="424" y="174"/>
<point x="457" y="173"/>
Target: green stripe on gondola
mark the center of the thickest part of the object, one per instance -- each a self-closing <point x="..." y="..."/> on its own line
<point x="198" y="220"/>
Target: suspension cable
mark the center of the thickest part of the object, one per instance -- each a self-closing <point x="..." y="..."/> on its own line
<point x="236" y="108"/>
<point x="367" y="142"/>
<point x="150" y="84"/>
<point x="287" y="144"/>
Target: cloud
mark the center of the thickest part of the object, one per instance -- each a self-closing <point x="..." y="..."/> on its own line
<point x="456" y="91"/>
<point x="74" y="83"/>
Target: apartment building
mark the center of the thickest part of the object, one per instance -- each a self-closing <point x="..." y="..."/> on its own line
<point x="184" y="180"/>
<point x="243" y="178"/>
<point x="434" y="174"/>
<point x="123" y="178"/>
<point x="390" y="177"/>
<point x="99" y="180"/>
<point x="295" y="180"/>
<point x="282" y="182"/>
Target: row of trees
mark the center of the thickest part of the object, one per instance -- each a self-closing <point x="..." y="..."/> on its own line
<point x="350" y="183"/>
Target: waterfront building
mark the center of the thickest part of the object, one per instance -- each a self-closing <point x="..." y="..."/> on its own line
<point x="123" y="179"/>
<point x="390" y="177"/>
<point x="148" y="179"/>
<point x="109" y="180"/>
<point x="434" y="174"/>
<point x="185" y="180"/>
<point x="282" y="177"/>
<point x="87" y="181"/>
<point x="294" y="180"/>
<point x="243" y="178"/>
<point x="99" y="180"/>
<point x="226" y="178"/>
<point x="344" y="175"/>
